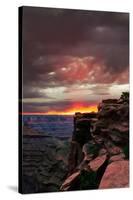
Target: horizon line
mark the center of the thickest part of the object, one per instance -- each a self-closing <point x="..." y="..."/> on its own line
<point x="30" y="113"/>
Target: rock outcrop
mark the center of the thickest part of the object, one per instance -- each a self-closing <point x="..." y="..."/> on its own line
<point x="99" y="154"/>
<point x="116" y="175"/>
<point x="81" y="135"/>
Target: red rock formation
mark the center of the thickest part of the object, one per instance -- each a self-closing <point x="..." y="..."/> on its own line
<point x="104" y="142"/>
<point x="116" y="175"/>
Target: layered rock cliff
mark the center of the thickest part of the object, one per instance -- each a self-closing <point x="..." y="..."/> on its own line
<point x="44" y="162"/>
<point x="99" y="152"/>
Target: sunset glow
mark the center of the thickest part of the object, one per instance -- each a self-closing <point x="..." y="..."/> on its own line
<point x="70" y="111"/>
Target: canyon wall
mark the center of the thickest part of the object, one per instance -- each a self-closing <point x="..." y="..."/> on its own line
<point x="99" y="152"/>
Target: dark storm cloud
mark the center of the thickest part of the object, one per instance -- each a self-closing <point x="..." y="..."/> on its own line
<point x="59" y="32"/>
<point x="55" y="39"/>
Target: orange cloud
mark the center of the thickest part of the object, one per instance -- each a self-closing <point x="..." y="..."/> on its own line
<point x="70" y="111"/>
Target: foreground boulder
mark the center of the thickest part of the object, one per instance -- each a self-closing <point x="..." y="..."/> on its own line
<point x="116" y="175"/>
<point x="86" y="175"/>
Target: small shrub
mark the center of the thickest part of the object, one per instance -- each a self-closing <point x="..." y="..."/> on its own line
<point x="125" y="96"/>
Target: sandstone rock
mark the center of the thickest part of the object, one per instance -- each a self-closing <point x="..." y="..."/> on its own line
<point x="97" y="162"/>
<point x="118" y="157"/>
<point x="69" y="182"/>
<point x="116" y="175"/>
<point x="110" y="101"/>
<point x="115" y="150"/>
<point x="108" y="112"/>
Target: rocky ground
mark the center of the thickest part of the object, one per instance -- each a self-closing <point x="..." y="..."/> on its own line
<point x="99" y="153"/>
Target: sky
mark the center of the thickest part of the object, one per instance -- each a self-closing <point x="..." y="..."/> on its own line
<point x="72" y="59"/>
